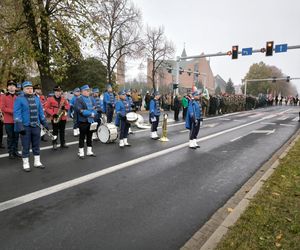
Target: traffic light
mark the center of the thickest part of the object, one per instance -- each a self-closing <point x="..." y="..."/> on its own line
<point x="235" y="52"/>
<point x="269" y="48"/>
<point x="175" y="86"/>
<point x="189" y="72"/>
<point x="288" y="79"/>
<point x="169" y="70"/>
<point x="181" y="70"/>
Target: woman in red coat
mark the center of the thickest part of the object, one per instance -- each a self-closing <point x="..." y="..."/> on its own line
<point x="57" y="107"/>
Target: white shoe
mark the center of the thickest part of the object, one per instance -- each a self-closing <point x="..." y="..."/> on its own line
<point x="89" y="152"/>
<point x="26" y="166"/>
<point x="195" y="143"/>
<point x="95" y="137"/>
<point x="75" y="132"/>
<point x="121" y="144"/>
<point x="154" y="135"/>
<point x="130" y="131"/>
<point x="192" y="145"/>
<point x="37" y="162"/>
<point x="81" y="153"/>
<point x="126" y="142"/>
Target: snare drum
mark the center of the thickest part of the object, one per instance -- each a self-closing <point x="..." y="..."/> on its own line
<point x="107" y="133"/>
<point x="131" y="117"/>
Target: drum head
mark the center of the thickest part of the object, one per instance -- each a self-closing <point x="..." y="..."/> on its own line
<point x="131" y="117"/>
<point x="103" y="134"/>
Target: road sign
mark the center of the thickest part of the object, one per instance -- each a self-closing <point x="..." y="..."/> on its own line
<point x="281" y="48"/>
<point x="246" y="51"/>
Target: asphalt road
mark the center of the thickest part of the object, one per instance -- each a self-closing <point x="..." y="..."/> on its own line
<point x="152" y="195"/>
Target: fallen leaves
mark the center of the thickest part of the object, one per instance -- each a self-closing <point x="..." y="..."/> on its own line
<point x="229" y="210"/>
<point x="275" y="194"/>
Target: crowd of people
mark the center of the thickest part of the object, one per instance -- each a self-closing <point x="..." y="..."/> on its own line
<point x="25" y="114"/>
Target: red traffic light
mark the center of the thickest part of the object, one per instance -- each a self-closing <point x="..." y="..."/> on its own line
<point x="269" y="48"/>
<point x="235" y="52"/>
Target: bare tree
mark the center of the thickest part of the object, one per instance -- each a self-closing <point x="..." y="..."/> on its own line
<point x="157" y="49"/>
<point x="116" y="32"/>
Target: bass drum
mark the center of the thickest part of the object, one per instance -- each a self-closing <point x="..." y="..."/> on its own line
<point x="107" y="133"/>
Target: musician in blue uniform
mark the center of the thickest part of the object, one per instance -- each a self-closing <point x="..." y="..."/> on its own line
<point x="98" y="107"/>
<point x="193" y="119"/>
<point x="86" y="115"/>
<point x="109" y="103"/>
<point x="72" y="113"/>
<point x="122" y="108"/>
<point x="28" y="115"/>
<point x="129" y="99"/>
<point x="154" y="113"/>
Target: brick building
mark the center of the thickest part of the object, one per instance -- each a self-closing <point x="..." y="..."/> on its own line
<point x="165" y="79"/>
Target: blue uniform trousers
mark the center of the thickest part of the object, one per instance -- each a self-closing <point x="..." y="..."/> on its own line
<point x="124" y="127"/>
<point x="154" y="125"/>
<point x="32" y="136"/>
<point x="109" y="113"/>
<point x="195" y="127"/>
<point x="12" y="138"/>
<point x="84" y="128"/>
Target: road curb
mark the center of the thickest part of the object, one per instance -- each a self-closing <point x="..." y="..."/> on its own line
<point x="211" y="233"/>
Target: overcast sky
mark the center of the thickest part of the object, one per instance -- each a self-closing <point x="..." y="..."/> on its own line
<point x="215" y="25"/>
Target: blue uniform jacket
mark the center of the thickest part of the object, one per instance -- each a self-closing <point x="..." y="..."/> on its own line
<point x="154" y="108"/>
<point x="122" y="108"/>
<point x="72" y="104"/>
<point x="129" y="99"/>
<point x="84" y="106"/>
<point x="194" y="112"/>
<point x="108" y="98"/>
<point x="22" y="112"/>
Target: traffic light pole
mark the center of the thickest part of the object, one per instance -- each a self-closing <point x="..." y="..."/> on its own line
<point x="177" y="75"/>
<point x="227" y="53"/>
<point x="267" y="79"/>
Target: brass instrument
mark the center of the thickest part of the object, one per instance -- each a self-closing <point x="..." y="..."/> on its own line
<point x="60" y="112"/>
<point x="47" y="132"/>
<point x="164" y="129"/>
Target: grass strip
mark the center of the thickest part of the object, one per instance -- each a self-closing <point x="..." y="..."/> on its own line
<point x="272" y="220"/>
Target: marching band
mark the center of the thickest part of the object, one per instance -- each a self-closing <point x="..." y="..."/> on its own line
<point x="24" y="114"/>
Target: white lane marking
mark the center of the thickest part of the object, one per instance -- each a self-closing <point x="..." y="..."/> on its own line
<point x="184" y="131"/>
<point x="225" y="119"/>
<point x="68" y="184"/>
<point x="235" y="139"/>
<point x="282" y="118"/>
<point x="43" y="148"/>
<point x="296" y="119"/>
<point x="268" y="123"/>
<point x="268" y="132"/>
<point x="241" y="115"/>
<point x="239" y="120"/>
<point x="255" y="116"/>
<point x="287" y="125"/>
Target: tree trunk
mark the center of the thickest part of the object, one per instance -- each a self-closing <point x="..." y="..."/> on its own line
<point x="41" y="53"/>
